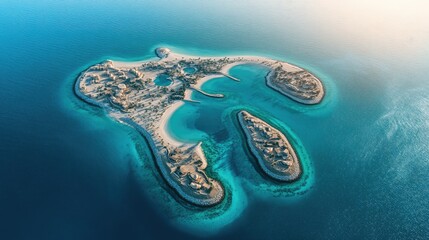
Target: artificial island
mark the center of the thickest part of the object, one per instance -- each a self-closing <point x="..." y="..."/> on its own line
<point x="144" y="94"/>
<point x="275" y="154"/>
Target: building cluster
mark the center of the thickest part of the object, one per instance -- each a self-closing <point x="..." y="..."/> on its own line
<point x="185" y="165"/>
<point x="269" y="142"/>
<point x="131" y="92"/>
<point x="126" y="90"/>
<point x="301" y="83"/>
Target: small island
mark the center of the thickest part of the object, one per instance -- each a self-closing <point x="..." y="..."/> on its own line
<point x="300" y="86"/>
<point x="275" y="154"/>
<point x="144" y="94"/>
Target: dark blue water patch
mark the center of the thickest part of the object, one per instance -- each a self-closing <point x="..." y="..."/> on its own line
<point x="162" y="80"/>
<point x="221" y="136"/>
<point x="209" y="119"/>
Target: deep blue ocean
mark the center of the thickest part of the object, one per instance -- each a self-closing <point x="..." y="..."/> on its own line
<point x="69" y="172"/>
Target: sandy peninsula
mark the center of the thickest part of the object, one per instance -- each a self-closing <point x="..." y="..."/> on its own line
<point x="129" y="93"/>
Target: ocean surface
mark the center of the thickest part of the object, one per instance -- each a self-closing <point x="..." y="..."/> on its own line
<point x="69" y="172"/>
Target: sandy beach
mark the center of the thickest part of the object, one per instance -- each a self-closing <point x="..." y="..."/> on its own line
<point x="187" y="95"/>
<point x="162" y="127"/>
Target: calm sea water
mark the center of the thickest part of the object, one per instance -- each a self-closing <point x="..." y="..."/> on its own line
<point x="68" y="172"/>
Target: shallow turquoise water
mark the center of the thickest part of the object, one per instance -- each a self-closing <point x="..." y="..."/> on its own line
<point x="190" y="70"/>
<point x="68" y="172"/>
<point x="162" y="80"/>
<point x="214" y="122"/>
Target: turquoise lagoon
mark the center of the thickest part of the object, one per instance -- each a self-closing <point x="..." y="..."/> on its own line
<point x="213" y="121"/>
<point x="190" y="70"/>
<point x="162" y="80"/>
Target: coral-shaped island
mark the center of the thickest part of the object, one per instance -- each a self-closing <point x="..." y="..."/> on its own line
<point x="144" y="94"/>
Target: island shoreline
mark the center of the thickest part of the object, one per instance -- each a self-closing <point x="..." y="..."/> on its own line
<point x="126" y="91"/>
<point x="290" y="96"/>
<point x="148" y="139"/>
<point x="254" y="152"/>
